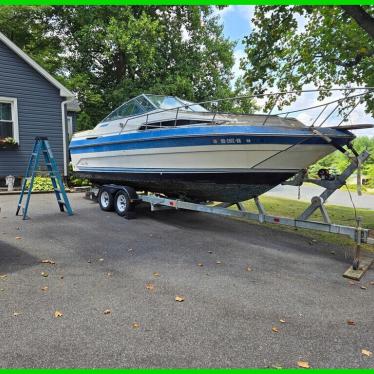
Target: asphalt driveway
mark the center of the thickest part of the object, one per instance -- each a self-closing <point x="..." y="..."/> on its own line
<point x="115" y="281"/>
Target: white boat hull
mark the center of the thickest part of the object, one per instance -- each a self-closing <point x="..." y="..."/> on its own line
<point x="198" y="164"/>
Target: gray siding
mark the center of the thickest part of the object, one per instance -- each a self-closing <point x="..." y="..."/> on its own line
<point x="39" y="111"/>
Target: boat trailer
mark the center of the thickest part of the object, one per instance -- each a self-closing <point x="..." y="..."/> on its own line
<point x="123" y="200"/>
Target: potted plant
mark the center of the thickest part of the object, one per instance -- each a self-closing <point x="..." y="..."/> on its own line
<point x="8" y="143"/>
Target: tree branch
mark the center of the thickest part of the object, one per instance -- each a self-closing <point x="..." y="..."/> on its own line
<point x="363" y="19"/>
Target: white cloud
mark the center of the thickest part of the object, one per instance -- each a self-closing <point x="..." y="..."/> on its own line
<point x="238" y="54"/>
<point x="301" y="23"/>
<point x="245" y="12"/>
<point x="185" y="34"/>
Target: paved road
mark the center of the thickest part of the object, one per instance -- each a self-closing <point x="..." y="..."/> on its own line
<point x="104" y="262"/>
<point x="340" y="197"/>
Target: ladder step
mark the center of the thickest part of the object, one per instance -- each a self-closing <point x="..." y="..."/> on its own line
<point x="42" y="147"/>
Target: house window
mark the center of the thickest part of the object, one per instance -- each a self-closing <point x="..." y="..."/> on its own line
<point x="8" y="118"/>
<point x="70" y="126"/>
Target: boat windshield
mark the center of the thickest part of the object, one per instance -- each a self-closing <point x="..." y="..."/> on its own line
<point x="164" y="102"/>
<point x="134" y="107"/>
<point x="171" y="102"/>
<point x="147" y="103"/>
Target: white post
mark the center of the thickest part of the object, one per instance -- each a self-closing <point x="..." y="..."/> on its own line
<point x="9" y="181"/>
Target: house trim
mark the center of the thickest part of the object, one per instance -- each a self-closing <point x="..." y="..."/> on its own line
<point x="14" y="106"/>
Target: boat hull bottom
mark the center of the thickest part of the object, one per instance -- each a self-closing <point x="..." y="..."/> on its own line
<point x="224" y="187"/>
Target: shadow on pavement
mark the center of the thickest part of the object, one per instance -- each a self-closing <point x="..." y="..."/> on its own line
<point x="13" y="259"/>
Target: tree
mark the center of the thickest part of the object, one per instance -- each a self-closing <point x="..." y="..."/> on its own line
<point x="110" y="54"/>
<point x="335" y="47"/>
<point x="28" y="28"/>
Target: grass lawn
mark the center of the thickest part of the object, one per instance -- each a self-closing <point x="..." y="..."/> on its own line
<point x="339" y="215"/>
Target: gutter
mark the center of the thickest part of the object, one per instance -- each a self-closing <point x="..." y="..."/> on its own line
<point x="63" y="114"/>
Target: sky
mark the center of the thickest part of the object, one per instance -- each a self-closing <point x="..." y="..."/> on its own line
<point x="236" y="21"/>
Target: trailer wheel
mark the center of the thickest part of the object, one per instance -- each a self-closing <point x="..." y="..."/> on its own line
<point x="122" y="203"/>
<point x="106" y="200"/>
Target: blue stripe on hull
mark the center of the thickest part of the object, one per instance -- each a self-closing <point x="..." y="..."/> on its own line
<point x="210" y="130"/>
<point x="198" y="141"/>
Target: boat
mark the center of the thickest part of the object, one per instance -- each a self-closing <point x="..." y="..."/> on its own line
<point x="171" y="146"/>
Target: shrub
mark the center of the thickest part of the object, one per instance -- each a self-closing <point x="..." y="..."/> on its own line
<point x="41" y="184"/>
<point x="74" y="181"/>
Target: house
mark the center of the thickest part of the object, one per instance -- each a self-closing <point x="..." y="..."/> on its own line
<point x="32" y="103"/>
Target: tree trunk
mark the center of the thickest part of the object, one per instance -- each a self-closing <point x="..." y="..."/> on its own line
<point x="364" y="19"/>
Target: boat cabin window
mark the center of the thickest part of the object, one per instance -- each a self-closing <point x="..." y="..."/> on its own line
<point x="172" y="123"/>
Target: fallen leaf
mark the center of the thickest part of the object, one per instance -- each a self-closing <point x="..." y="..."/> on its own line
<point x="44" y="274"/>
<point x="303" y="364"/>
<point x="4" y="276"/>
<point x="156" y="274"/>
<point x="58" y="314"/>
<point x="363" y="287"/>
<point x="107" y="311"/>
<point x="248" y="268"/>
<point x="16" y="314"/>
<point x="18" y="237"/>
<point x="282" y="321"/>
<point x="179" y="298"/>
<point x="350" y="322"/>
<point x="150" y="286"/>
<point x="200" y="264"/>
<point x="276" y="366"/>
<point x="44" y="288"/>
<point x="367" y="353"/>
<point x="274" y="329"/>
<point x="135" y="325"/>
<point x="47" y="262"/>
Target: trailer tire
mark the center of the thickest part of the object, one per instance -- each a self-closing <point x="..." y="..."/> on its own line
<point x="106" y="200"/>
<point x="122" y="203"/>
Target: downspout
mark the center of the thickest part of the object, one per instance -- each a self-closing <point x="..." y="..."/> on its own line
<point x="64" y="134"/>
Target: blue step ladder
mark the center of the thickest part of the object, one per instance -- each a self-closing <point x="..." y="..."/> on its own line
<point x="42" y="147"/>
